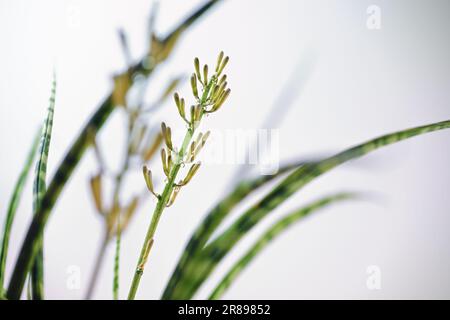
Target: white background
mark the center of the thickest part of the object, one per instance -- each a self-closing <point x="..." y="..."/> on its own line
<point x="361" y="83"/>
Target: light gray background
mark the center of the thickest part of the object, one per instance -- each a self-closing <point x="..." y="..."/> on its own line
<point x="364" y="83"/>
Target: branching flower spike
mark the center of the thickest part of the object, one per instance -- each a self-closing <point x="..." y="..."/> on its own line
<point x="209" y="99"/>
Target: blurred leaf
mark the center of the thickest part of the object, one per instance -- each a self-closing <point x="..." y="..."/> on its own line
<point x="213" y="219"/>
<point x="193" y="275"/>
<point x="270" y="234"/>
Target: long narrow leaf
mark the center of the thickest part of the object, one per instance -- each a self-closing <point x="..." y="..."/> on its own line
<point x="30" y="246"/>
<point x="13" y="204"/>
<point x="270" y="234"/>
<point x="37" y="273"/>
<point x="216" y="250"/>
<point x="215" y="217"/>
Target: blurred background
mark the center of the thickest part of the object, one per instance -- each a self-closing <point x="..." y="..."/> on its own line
<point x="338" y="77"/>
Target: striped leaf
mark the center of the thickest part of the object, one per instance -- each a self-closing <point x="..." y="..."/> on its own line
<point x="13" y="204"/>
<point x="205" y="262"/>
<point x="215" y="217"/>
<point x="39" y="187"/>
<point x="269" y="235"/>
<point x="30" y="246"/>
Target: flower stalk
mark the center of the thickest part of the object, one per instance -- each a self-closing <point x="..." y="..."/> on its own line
<point x="213" y="95"/>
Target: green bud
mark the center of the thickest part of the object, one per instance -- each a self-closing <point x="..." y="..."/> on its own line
<point x="219" y="60"/>
<point x="194" y="85"/>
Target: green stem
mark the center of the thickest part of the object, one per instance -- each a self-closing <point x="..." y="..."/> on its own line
<point x="118" y="233"/>
<point x="97" y="267"/>
<point x="164" y="198"/>
<point x="117" y="262"/>
<point x="213" y="253"/>
<point x="116" y="202"/>
<point x="160" y="206"/>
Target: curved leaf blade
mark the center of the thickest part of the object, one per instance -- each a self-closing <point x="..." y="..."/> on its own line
<point x="214" y="218"/>
<point x="39" y="187"/>
<point x="269" y="235"/>
<point x="14" y="203"/>
<point x="214" y="252"/>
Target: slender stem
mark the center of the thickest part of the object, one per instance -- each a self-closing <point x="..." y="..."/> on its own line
<point x="117" y="262"/>
<point x="108" y="234"/>
<point x="160" y="206"/>
<point x="97" y="267"/>
<point x="168" y="189"/>
<point x="116" y="203"/>
<point x="269" y="235"/>
<point x="101" y="255"/>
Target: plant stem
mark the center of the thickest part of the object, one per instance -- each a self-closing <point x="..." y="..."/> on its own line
<point x="270" y="234"/>
<point x="168" y="189"/>
<point x="116" y="203"/>
<point x="97" y="267"/>
<point x="117" y="262"/>
<point x="160" y="206"/>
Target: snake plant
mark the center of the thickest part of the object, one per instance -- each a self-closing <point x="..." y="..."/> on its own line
<point x="212" y="240"/>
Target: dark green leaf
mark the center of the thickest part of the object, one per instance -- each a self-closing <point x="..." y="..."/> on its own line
<point x="39" y="187"/>
<point x="193" y="276"/>
<point x="13" y="204"/>
<point x="270" y="234"/>
<point x="215" y="217"/>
